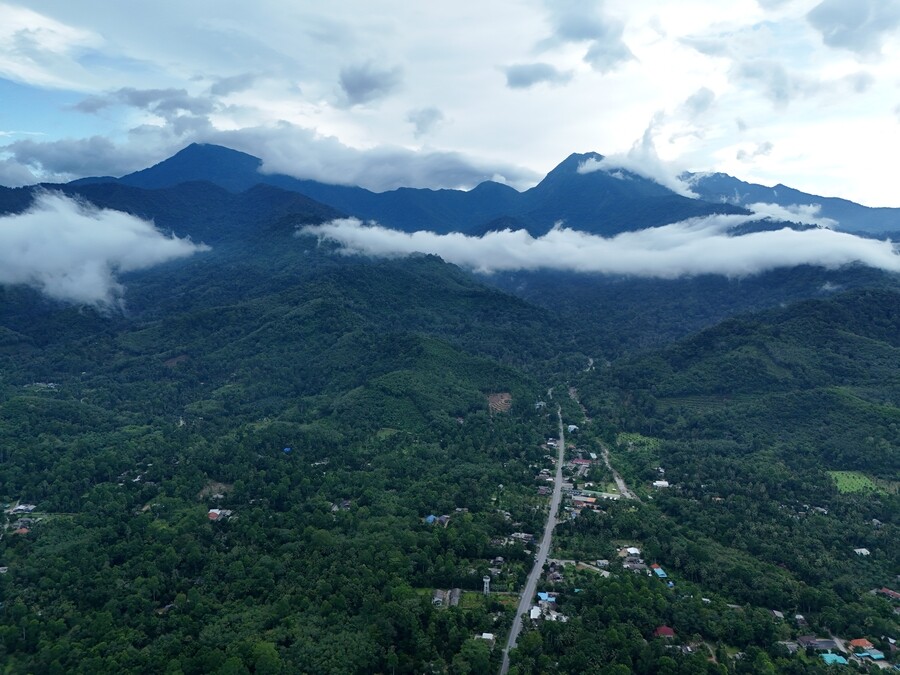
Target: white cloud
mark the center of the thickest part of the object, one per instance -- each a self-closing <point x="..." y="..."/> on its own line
<point x="72" y="251"/>
<point x="833" y="129"/>
<point x="857" y="25"/>
<point x="805" y="214"/>
<point x="526" y="75"/>
<point x="688" y="248"/>
<point x="643" y="160"/>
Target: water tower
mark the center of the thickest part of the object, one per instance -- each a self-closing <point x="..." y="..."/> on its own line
<point x="487" y="584"/>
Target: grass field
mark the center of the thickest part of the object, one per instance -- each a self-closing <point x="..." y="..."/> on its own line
<point x="854" y="481"/>
<point x="637" y="441"/>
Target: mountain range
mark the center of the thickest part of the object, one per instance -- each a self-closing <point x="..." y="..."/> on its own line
<point x="597" y="202"/>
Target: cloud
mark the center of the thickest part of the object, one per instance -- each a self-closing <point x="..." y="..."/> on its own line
<point x="230" y="85"/>
<point x="643" y="160"/>
<point x="857" y="25"/>
<point x="580" y="21"/>
<point x="688" y="248"/>
<point x="424" y="120"/>
<point x="366" y="83"/>
<point x="805" y="214"/>
<point x="167" y="103"/>
<point x="699" y="102"/>
<point x="776" y="82"/>
<point x="761" y="150"/>
<point x="72" y="251"/>
<point x="525" y="75"/>
<point x="62" y="160"/>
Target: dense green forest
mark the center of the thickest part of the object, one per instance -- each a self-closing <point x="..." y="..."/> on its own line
<point x="272" y="457"/>
<point x="777" y="437"/>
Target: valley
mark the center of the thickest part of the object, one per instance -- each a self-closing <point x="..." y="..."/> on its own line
<point x="276" y="456"/>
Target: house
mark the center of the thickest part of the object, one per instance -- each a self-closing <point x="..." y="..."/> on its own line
<point x="22" y="530"/>
<point x="524" y="537"/>
<point x="546" y="597"/>
<point x="860" y="643"/>
<point x="23" y="508"/>
<point x="216" y="515"/>
<point x="834" y="660"/>
<point x="664" y="632"/>
<point x="4" y="570"/>
<point x="658" y="571"/>
<point x="540" y="405"/>
<point x="888" y="593"/>
<point x="572" y="428"/>
<point x="631" y="550"/>
<point x="535" y="613"/>
<point x="800" y="619"/>
<point x="430" y="519"/>
<point x="439" y="598"/>
<point x="873" y="654"/>
<point x="660" y="483"/>
<point x="487" y="637"/>
<point x="602" y="563"/>
<point x="778" y="615"/>
<point x="455" y="595"/>
<point x="792" y="647"/>
<point x="819" y="644"/>
<point x="862" y="551"/>
<point x="443" y="520"/>
<point x="593" y="456"/>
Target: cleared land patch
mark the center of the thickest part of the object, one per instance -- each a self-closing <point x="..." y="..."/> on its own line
<point x="500" y="402"/>
<point x="854" y="481"/>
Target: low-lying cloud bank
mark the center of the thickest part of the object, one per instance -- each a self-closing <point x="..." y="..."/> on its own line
<point x="687" y="248"/>
<point x="72" y="251"/>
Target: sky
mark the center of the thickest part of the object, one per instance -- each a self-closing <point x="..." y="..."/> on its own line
<point x="800" y="92"/>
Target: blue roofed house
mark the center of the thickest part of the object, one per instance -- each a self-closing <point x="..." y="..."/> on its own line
<point x="834" y="659"/>
<point x="430" y="519"/>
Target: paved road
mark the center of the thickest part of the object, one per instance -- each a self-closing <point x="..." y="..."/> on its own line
<point x="543" y="551"/>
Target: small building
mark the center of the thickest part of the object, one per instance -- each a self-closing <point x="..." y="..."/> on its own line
<point x="535" y="613"/>
<point x="455" y="596"/>
<point x="632" y="550"/>
<point x="430" y="520"/>
<point x="23" y="508"/>
<point x="546" y="597"/>
<point x="778" y="615"/>
<point x="813" y="642"/>
<point x="664" y="632"/>
<point x="834" y="660"/>
<point x="215" y="515"/>
<point x="888" y="593"/>
<point x="862" y="551"/>
<point x="487" y="637"/>
<point x="659" y="571"/>
<point x="660" y="483"/>
<point x="874" y="654"/>
<point x="22" y="531"/>
<point x="4" y="570"/>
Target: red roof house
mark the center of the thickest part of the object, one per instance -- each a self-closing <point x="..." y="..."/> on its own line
<point x="862" y="643"/>
<point x="664" y="632"/>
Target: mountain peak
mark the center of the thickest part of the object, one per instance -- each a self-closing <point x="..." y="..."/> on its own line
<point x="234" y="170"/>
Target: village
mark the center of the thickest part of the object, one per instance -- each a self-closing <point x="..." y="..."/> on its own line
<point x="589" y="485"/>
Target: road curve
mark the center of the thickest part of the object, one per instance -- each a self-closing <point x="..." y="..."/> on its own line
<point x="543" y="551"/>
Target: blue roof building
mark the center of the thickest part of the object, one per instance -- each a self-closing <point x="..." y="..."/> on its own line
<point x="834" y="660"/>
